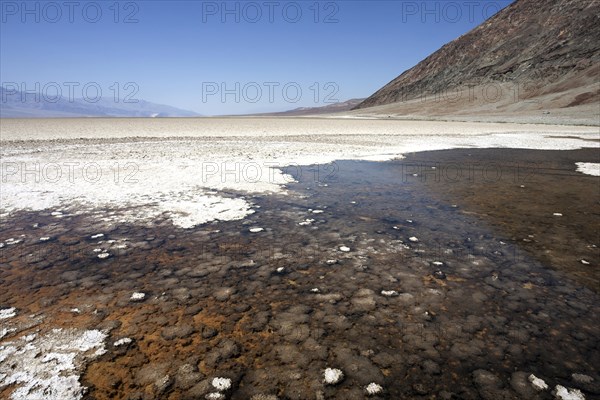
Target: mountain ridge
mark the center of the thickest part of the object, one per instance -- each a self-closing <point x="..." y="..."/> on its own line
<point x="544" y="50"/>
<point x="15" y="105"/>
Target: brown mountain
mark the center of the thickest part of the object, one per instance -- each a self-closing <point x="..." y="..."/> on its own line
<point x="328" y="109"/>
<point x="533" y="55"/>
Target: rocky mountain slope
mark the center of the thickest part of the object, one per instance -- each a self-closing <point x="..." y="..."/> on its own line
<point x="532" y="55"/>
<point x="328" y="109"/>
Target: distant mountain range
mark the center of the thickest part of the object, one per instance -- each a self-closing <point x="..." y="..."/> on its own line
<point x="328" y="109"/>
<point x="534" y="55"/>
<point x="14" y="105"/>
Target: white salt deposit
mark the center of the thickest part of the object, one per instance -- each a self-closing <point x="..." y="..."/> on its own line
<point x="221" y="384"/>
<point x="256" y="230"/>
<point x="102" y="256"/>
<point x="48" y="366"/>
<point x="537" y="383"/>
<point x="8" y="313"/>
<point x="332" y="376"/>
<point x="564" y="393"/>
<point x="585" y="262"/>
<point x="589" y="168"/>
<point x="389" y="293"/>
<point x="202" y="209"/>
<point x="137" y="296"/>
<point x="6" y="331"/>
<point x="345" y="249"/>
<point x="122" y="342"/>
<point x="373" y="389"/>
<point x="557" y="214"/>
<point x="413" y="239"/>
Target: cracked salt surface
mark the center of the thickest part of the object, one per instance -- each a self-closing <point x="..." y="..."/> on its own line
<point x="48" y="366"/>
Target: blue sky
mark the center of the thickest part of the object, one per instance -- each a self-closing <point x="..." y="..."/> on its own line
<point x="227" y="57"/>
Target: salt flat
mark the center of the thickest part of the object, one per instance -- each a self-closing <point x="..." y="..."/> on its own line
<point x="95" y="128"/>
<point x="199" y="170"/>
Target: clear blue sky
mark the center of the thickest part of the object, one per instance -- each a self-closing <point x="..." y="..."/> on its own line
<point x="182" y="53"/>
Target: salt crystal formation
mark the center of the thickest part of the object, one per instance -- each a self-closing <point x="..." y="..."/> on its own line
<point x="332" y="376"/>
<point x="373" y="388"/>
<point x="48" y="366"/>
<point x="137" y="296"/>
